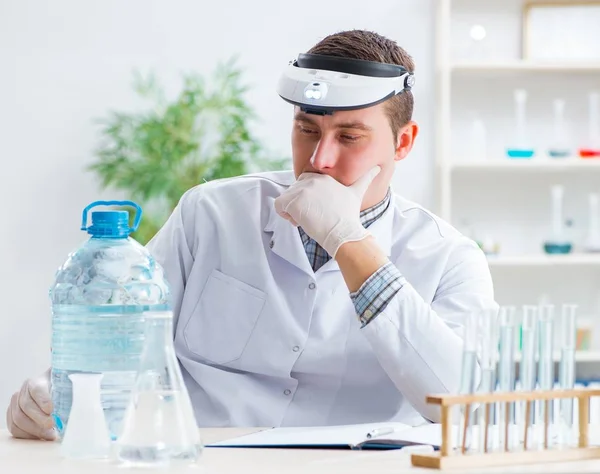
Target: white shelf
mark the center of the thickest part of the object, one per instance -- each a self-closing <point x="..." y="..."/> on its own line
<point x="586" y="356"/>
<point x="532" y="164"/>
<point x="543" y="260"/>
<point x="525" y="66"/>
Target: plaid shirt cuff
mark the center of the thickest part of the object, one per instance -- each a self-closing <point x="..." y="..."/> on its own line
<point x="375" y="293"/>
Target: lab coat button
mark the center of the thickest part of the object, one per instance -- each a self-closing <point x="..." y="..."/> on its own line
<point x="312" y="286"/>
<point x="287" y="391"/>
<point x="296" y="348"/>
<point x="271" y="244"/>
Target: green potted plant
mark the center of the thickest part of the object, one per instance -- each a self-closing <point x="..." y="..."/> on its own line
<point x="204" y="133"/>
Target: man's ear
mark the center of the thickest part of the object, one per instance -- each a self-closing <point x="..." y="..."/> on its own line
<point x="406" y="139"/>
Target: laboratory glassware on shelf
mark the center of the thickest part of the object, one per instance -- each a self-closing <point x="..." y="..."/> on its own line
<point x="477" y="147"/>
<point x="558" y="242"/>
<point x="560" y="147"/>
<point x="592" y="148"/>
<point x="522" y="147"/>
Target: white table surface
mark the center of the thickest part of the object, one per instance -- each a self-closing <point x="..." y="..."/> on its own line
<point x="40" y="457"/>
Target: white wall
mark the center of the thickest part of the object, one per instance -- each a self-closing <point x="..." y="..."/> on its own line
<point x="64" y="63"/>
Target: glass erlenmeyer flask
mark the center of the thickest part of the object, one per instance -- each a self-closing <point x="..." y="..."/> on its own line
<point x="522" y="147"/>
<point x="87" y="435"/>
<point x="159" y="426"/>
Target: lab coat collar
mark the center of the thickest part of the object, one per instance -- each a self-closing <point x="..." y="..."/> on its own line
<point x="287" y="243"/>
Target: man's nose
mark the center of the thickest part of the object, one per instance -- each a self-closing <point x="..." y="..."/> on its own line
<point x="324" y="156"/>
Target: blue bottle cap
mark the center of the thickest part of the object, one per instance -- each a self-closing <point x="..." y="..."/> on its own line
<point x="111" y="224"/>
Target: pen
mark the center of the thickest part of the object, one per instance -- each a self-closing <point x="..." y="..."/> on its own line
<point x="379" y="432"/>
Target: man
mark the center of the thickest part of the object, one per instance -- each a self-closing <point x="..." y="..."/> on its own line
<point x="318" y="297"/>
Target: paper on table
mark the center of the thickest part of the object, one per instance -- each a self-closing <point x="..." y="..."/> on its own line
<point x="338" y="436"/>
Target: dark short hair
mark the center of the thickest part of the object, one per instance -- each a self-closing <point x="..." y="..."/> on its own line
<point x="370" y="46"/>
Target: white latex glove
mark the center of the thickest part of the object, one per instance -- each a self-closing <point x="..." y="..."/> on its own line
<point x="28" y="415"/>
<point x="328" y="211"/>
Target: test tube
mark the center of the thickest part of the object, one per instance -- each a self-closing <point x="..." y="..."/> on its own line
<point x="467" y="382"/>
<point x="545" y="370"/>
<point x="506" y="374"/>
<point x="527" y="372"/>
<point x="566" y="374"/>
<point x="488" y="360"/>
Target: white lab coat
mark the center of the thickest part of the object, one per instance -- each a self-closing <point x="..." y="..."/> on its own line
<point x="265" y="341"/>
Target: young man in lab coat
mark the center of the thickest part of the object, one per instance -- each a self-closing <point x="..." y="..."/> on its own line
<point x="318" y="296"/>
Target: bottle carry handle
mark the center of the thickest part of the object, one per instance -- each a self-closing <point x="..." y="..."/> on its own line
<point x="136" y="221"/>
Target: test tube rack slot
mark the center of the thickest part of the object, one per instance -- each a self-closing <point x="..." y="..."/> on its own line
<point x="450" y="456"/>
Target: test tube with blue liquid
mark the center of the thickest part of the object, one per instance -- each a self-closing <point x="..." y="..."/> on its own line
<point x="545" y="372"/>
<point x="521" y="148"/>
<point x="468" y="375"/>
<point x="527" y="372"/>
<point x="566" y="371"/>
<point x="506" y="375"/>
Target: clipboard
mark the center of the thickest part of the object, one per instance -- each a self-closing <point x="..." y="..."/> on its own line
<point x="353" y="437"/>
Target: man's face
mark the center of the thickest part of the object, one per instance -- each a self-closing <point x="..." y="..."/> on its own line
<point x="347" y="144"/>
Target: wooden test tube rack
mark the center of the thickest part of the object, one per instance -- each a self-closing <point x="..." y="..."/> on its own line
<point x="449" y="458"/>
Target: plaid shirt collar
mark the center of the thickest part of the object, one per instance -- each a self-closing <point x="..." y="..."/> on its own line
<point x="317" y="254"/>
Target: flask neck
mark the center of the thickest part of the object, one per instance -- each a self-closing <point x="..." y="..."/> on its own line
<point x="159" y="329"/>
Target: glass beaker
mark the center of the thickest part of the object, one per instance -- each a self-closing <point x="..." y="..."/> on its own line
<point x="159" y="427"/>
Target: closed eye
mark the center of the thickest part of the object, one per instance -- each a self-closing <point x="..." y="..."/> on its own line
<point x="350" y="138"/>
<point x="307" y="131"/>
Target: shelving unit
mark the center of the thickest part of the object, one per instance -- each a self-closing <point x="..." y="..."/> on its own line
<point x="510" y="197"/>
<point x="450" y="70"/>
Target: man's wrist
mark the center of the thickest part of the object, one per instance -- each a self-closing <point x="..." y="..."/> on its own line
<point x="358" y="260"/>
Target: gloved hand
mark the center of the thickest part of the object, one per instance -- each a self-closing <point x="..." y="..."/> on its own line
<point x="28" y="415"/>
<point x="328" y="211"/>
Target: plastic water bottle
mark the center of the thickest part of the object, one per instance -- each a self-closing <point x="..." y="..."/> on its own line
<point x="99" y="299"/>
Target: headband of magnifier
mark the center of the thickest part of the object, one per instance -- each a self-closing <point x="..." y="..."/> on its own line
<point x="321" y="84"/>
